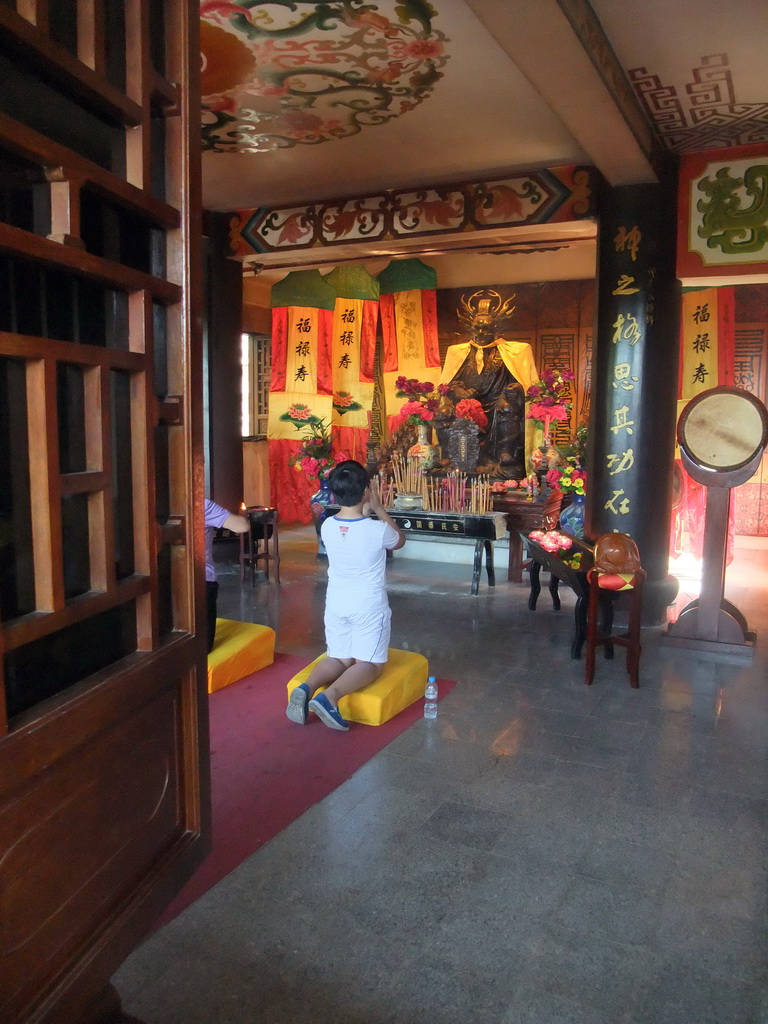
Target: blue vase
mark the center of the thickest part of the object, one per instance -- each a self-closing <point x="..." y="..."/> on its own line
<point x="318" y="504"/>
<point x="572" y="517"/>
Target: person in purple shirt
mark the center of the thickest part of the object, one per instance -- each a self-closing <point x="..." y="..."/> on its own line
<point x="215" y="517"/>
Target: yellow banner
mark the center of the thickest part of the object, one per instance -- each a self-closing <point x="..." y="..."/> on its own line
<point x="699" y="364"/>
<point x="301" y="361"/>
<point x="290" y="411"/>
<point x="352" y="399"/>
<point x="410" y="348"/>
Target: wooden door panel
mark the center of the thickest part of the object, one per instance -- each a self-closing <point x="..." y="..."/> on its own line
<point x="104" y="787"/>
<point x="109" y="806"/>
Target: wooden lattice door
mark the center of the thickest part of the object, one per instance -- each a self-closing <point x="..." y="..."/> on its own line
<point x="103" y="729"/>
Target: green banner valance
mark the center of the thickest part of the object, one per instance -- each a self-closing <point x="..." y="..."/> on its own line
<point x="303" y="288"/>
<point x="405" y="275"/>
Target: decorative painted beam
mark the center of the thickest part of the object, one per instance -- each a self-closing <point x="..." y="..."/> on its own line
<point x="543" y="196"/>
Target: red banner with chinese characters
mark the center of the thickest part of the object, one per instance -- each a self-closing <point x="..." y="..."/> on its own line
<point x="409" y="327"/>
<point x="301" y="389"/>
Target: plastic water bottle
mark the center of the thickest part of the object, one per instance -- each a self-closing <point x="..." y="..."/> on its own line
<point x="430" y="698"/>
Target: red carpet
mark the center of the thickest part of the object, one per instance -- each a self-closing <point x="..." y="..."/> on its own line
<point x="266" y="770"/>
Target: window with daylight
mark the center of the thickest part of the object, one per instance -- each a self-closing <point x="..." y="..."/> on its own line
<point x="257" y="368"/>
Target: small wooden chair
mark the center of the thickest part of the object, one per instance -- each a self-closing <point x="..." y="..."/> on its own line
<point x="255" y="543"/>
<point x="606" y="582"/>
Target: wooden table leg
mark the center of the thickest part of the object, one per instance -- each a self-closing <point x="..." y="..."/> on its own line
<point x="580" y="616"/>
<point x="489" y="567"/>
<point x="478" y="565"/>
<point x="535" y="585"/>
<point x="515" y="564"/>
<point x="276" y="547"/>
<point x="554" y="590"/>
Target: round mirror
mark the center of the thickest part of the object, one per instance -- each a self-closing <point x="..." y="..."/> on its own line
<point x="723" y="431"/>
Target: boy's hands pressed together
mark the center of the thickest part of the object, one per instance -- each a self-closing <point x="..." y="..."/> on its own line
<point x="374" y="504"/>
<point x="374" y="500"/>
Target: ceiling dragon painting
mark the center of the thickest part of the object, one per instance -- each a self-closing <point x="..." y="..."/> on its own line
<point x="285" y="72"/>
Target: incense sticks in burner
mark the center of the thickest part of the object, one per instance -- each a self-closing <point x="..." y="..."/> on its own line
<point x="408" y="475"/>
<point x="454" y="492"/>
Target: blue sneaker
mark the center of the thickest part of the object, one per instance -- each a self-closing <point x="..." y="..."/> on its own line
<point x="328" y="714"/>
<point x="297" y="705"/>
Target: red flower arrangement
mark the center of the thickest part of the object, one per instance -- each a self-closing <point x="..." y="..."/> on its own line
<point x="471" y="409"/>
<point x="547" y="397"/>
<point x="316" y="455"/>
<point x="423" y="400"/>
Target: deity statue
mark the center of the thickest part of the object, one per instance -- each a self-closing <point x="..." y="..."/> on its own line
<point x="497" y="373"/>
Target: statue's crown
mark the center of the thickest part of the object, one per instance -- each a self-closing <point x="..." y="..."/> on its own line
<point x="484" y="308"/>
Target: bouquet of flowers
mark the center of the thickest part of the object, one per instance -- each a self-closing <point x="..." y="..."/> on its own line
<point x="471" y="409"/>
<point x="423" y="400"/>
<point x="568" y="479"/>
<point x="316" y="454"/>
<point x="547" y="397"/>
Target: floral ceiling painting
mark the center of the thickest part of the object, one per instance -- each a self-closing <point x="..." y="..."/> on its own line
<point x="280" y="73"/>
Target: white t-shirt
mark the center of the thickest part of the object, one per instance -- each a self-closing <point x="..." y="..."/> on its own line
<point x="357" y="561"/>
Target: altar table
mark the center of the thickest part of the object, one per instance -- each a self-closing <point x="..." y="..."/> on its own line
<point x="541" y="513"/>
<point x="560" y="565"/>
<point x="483" y="529"/>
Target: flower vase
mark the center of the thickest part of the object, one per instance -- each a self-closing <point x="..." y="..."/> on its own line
<point x="318" y="504"/>
<point x="423" y="452"/>
<point x="572" y="517"/>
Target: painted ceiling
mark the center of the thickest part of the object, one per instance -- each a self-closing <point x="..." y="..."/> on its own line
<point x="308" y="101"/>
<point x="280" y="75"/>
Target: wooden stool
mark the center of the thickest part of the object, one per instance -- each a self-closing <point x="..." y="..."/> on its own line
<point x="603" y="589"/>
<point x="263" y="531"/>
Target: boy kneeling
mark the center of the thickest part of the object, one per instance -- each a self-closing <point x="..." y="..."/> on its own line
<point x="357" y="614"/>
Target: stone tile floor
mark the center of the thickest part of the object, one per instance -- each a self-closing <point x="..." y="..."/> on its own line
<point x="543" y="852"/>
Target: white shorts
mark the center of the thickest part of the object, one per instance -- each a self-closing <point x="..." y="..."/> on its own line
<point x="360" y="635"/>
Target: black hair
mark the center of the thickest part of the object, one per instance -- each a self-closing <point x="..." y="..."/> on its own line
<point x="348" y="482"/>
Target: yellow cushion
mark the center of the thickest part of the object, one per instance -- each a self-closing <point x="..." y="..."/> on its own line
<point x="240" y="648"/>
<point x="401" y="682"/>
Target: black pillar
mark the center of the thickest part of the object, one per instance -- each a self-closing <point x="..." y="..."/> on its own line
<point x="223" y="364"/>
<point x="635" y="368"/>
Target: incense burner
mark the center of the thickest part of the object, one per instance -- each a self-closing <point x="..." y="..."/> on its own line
<point x="409" y="502"/>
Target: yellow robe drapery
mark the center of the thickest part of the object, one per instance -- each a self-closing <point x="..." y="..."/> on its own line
<point x="517" y="356"/>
